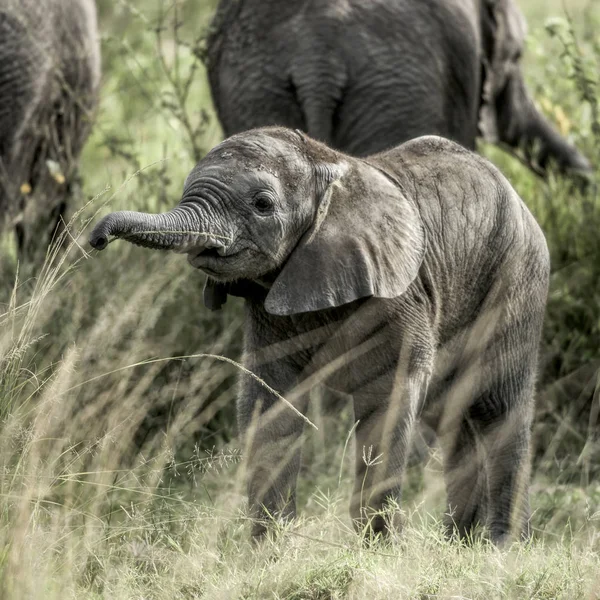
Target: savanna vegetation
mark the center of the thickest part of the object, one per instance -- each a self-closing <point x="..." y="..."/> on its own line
<point x="120" y="472"/>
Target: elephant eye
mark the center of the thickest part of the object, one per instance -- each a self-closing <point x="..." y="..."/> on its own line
<point x="263" y="203"/>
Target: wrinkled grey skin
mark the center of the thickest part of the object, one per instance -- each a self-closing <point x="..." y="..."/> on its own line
<point x="366" y="76"/>
<point x="414" y="280"/>
<point x="49" y="79"/>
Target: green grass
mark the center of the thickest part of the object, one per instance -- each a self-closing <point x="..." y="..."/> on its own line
<point x="120" y="471"/>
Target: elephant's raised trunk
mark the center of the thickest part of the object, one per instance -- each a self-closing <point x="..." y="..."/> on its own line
<point x="177" y="230"/>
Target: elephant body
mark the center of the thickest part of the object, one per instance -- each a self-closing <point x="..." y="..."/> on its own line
<point x="414" y="280"/>
<point x="366" y="76"/>
<point x="49" y="81"/>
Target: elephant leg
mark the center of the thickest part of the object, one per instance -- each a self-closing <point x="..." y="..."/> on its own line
<point x="466" y="484"/>
<point x="488" y="410"/>
<point x="499" y="410"/>
<point x="272" y="446"/>
<point x="508" y="480"/>
<point x="383" y="442"/>
<point x="487" y="477"/>
<point x="504" y="414"/>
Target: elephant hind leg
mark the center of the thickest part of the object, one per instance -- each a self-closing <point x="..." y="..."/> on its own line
<point x="487" y="480"/>
<point x="508" y="473"/>
<point x="503" y="416"/>
<point x="466" y="483"/>
<point x="487" y="464"/>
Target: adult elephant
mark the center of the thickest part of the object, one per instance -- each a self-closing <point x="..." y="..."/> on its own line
<point x="49" y="80"/>
<point x="365" y="76"/>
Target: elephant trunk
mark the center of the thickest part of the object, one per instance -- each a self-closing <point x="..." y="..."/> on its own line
<point x="178" y="229"/>
<point x="522" y="125"/>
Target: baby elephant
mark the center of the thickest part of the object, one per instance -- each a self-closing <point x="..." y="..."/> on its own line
<point x="414" y="280"/>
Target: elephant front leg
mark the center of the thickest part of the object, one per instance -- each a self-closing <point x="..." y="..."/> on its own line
<point x="272" y="442"/>
<point x="383" y="440"/>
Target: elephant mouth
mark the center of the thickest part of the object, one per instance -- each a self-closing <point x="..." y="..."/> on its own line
<point x="212" y="253"/>
<point x="212" y="260"/>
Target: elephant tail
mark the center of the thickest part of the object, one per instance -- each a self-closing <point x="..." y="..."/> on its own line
<point x="319" y="77"/>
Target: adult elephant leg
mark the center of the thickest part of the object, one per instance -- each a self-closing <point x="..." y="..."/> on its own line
<point x="521" y="125"/>
<point x="383" y="441"/>
<point x="247" y="96"/>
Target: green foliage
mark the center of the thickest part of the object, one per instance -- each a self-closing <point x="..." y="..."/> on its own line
<point x="567" y="90"/>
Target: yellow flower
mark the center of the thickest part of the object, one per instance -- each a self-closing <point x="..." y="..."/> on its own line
<point x="55" y="171"/>
<point x="546" y="105"/>
<point x="564" y="124"/>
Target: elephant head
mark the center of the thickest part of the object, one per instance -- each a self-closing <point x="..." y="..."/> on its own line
<point x="275" y="207"/>
<point x="508" y="114"/>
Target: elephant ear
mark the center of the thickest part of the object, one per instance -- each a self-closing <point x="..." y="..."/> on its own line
<point x="367" y="239"/>
<point x="503" y="36"/>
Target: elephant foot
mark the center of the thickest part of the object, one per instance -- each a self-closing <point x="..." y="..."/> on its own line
<point x="271" y="524"/>
<point x="378" y="526"/>
<point x="503" y="537"/>
<point x="465" y="534"/>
